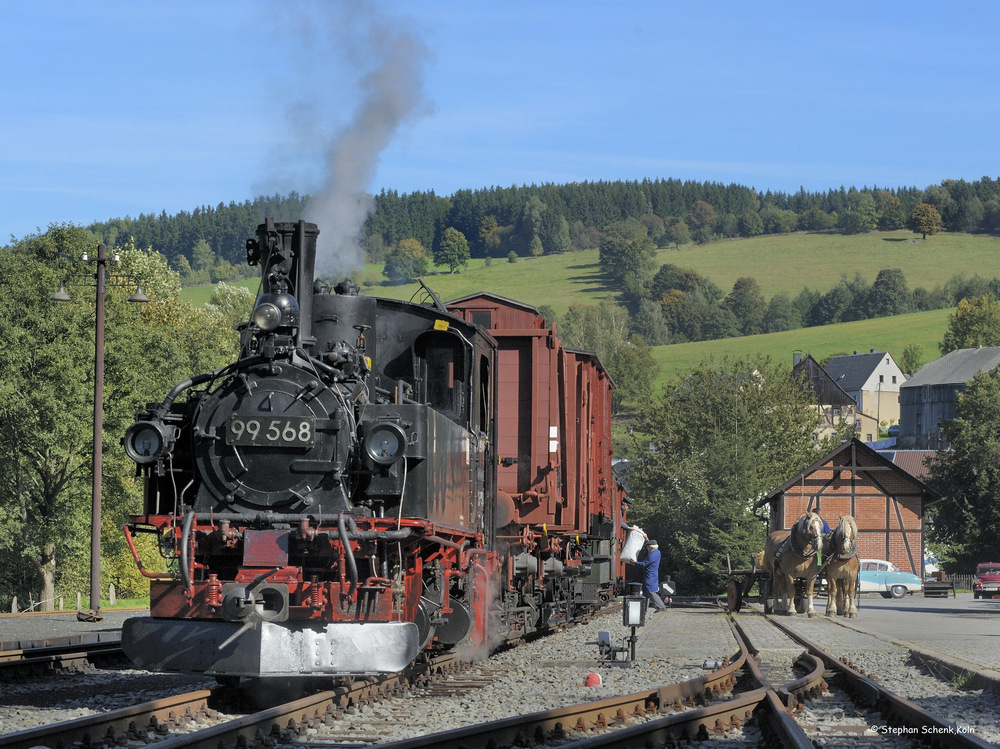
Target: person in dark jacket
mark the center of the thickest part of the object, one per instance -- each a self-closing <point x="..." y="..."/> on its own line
<point x="651" y="579"/>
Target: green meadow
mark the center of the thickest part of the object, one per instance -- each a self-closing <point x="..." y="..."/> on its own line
<point x="892" y="334"/>
<point x="785" y="263"/>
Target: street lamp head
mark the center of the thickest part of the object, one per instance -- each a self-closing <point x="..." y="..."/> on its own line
<point x="138" y="296"/>
<point x="61" y="295"/>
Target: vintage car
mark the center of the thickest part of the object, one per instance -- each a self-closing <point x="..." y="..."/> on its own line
<point x="987" y="584"/>
<point x="880" y="576"/>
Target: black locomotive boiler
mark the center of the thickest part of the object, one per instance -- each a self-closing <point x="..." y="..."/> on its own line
<point x="371" y="479"/>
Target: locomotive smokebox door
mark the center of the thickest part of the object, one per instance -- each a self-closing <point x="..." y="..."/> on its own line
<point x="267" y="441"/>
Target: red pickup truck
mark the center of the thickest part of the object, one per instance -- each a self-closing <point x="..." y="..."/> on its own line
<point x="987" y="583"/>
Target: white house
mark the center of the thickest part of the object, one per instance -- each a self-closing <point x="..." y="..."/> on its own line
<point x="873" y="381"/>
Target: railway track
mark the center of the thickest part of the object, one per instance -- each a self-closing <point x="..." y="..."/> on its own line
<point x="28" y="659"/>
<point x="768" y="692"/>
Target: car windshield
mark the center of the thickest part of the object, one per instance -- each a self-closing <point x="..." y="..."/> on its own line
<point x="988" y="569"/>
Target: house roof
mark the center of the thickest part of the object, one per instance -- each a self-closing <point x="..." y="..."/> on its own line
<point x="911" y="461"/>
<point x="852" y="450"/>
<point x="827" y="390"/>
<point x="852" y="371"/>
<point x="956" y="367"/>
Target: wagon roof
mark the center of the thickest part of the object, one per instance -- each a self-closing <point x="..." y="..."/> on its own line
<point x="495" y="298"/>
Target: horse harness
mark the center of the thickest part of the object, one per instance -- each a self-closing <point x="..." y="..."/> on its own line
<point x="838" y="556"/>
<point x="794" y="548"/>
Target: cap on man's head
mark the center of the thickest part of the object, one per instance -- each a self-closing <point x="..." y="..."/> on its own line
<point x="626" y="501"/>
<point x="652" y="542"/>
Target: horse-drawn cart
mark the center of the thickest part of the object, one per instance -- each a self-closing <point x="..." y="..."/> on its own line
<point x="741" y="584"/>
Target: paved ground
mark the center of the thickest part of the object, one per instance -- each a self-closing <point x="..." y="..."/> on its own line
<point x="25" y="628"/>
<point x="960" y="628"/>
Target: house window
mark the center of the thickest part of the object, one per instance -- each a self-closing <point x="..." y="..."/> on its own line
<point x="881" y="378"/>
<point x="894" y="379"/>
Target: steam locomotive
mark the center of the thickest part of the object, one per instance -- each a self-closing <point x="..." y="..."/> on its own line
<point x="369" y="480"/>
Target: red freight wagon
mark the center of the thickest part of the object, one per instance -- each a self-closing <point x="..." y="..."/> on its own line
<point x="554" y="425"/>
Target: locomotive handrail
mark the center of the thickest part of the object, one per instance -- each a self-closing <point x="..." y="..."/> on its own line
<point x="138" y="561"/>
<point x="277" y="517"/>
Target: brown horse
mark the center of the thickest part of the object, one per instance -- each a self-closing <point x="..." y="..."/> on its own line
<point x="840" y="566"/>
<point x="790" y="556"/>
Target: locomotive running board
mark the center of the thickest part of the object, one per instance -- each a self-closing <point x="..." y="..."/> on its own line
<point x="269" y="649"/>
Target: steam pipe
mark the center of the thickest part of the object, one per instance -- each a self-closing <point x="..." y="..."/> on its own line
<point x="452" y="545"/>
<point x="352" y="565"/>
<point x="189" y="518"/>
<point x="271" y="518"/>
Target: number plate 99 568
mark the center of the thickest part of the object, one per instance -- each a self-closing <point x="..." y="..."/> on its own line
<point x="272" y="431"/>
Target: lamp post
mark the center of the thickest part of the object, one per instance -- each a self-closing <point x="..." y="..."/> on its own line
<point x="101" y="280"/>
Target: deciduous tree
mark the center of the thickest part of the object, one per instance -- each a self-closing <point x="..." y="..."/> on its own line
<point x="781" y="314"/>
<point x="46" y="402"/>
<point x="724" y="434"/>
<point x="889" y="295"/>
<point x="406" y="261"/>
<point x="628" y="255"/>
<point x="747" y="303"/>
<point x="924" y="220"/>
<point x="975" y="322"/>
<point x="454" y="250"/>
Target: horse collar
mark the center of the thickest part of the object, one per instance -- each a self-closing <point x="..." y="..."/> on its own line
<point x="852" y="552"/>
<point x="795" y="547"/>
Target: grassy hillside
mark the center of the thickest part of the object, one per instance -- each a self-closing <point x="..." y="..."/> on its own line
<point x="892" y="334"/>
<point x="779" y="263"/>
<point x="789" y="262"/>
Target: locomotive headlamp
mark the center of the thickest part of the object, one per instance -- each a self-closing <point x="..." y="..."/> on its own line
<point x="148" y="441"/>
<point x="274" y="310"/>
<point x="385" y="443"/>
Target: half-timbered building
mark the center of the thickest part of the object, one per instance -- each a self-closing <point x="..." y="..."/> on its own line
<point x="887" y="502"/>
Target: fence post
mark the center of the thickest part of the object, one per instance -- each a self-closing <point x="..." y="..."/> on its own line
<point x="13" y="606"/>
<point x="112" y="598"/>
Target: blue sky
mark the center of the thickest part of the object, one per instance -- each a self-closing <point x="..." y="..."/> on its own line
<point x="110" y="109"/>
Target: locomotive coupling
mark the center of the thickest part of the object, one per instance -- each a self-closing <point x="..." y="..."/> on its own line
<point x="256" y="601"/>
